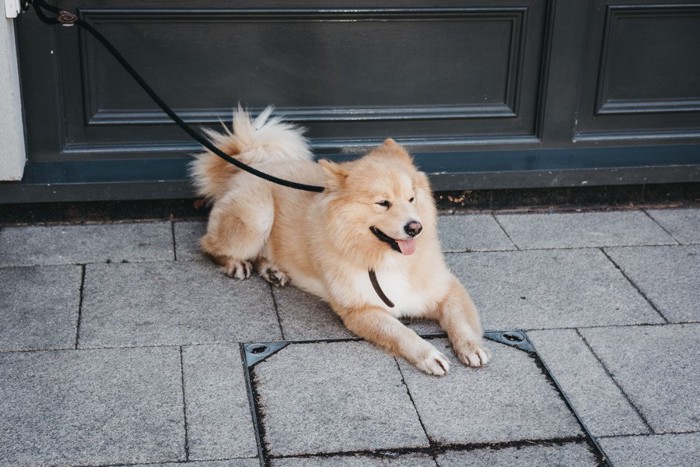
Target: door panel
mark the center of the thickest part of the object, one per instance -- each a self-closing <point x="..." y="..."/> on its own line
<point x="500" y="93"/>
<point x="644" y="77"/>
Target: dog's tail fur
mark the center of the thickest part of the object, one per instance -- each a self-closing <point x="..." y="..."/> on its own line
<point x="251" y="141"/>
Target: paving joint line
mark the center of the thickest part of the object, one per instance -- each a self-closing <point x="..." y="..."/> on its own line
<point x="90" y="349"/>
<point x="624" y="274"/>
<point x="172" y="232"/>
<point x="80" y="306"/>
<point x="427" y="336"/>
<point x="591" y="441"/>
<point x="567" y="248"/>
<point x="453" y="252"/>
<point x="438" y="449"/>
<point x="432" y="444"/>
<point x="643" y="245"/>
<point x="570" y="248"/>
<point x="603" y="326"/>
<point x="162" y="462"/>
<point x="107" y="261"/>
<point x="517" y="248"/>
<point x="649" y="435"/>
<point x="256" y="412"/>
<point x="277" y="311"/>
<point x="615" y="382"/>
<point x="478" y="250"/>
<point x="662" y="227"/>
<point x="184" y="405"/>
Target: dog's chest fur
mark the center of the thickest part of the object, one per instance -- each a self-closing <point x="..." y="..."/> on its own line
<point x="409" y="298"/>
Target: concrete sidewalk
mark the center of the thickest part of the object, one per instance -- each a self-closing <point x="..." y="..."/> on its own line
<point x="120" y="344"/>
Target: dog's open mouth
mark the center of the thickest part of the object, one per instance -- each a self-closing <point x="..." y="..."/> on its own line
<point x="406" y="247"/>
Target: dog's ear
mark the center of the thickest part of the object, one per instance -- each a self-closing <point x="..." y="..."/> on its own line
<point x="335" y="174"/>
<point x="421" y="182"/>
<point x="392" y="149"/>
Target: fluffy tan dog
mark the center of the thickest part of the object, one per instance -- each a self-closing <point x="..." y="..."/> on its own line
<point x="376" y="214"/>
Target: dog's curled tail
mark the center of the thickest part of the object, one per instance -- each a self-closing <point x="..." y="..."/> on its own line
<point x="251" y="141"/>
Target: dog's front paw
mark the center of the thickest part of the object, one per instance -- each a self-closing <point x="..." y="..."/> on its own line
<point x="435" y="363"/>
<point x="473" y="354"/>
<point x="274" y="276"/>
<point x="237" y="269"/>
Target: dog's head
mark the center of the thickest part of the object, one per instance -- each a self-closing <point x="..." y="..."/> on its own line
<point x="379" y="204"/>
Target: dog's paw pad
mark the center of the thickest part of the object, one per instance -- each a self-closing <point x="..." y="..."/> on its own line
<point x="434" y="364"/>
<point x="474" y="355"/>
<point x="274" y="276"/>
<point x="237" y="269"/>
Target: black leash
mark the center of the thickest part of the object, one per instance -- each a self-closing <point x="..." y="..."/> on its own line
<point x="66" y="18"/>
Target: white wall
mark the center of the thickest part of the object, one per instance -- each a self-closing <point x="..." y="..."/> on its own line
<point x="12" y="150"/>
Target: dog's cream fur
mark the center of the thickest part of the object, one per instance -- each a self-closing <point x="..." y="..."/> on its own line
<point x="322" y="242"/>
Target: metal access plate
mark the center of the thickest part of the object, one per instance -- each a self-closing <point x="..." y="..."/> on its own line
<point x="330" y="399"/>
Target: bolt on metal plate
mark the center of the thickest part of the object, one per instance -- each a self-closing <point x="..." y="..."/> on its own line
<point x="517" y="339"/>
<point x="259" y="351"/>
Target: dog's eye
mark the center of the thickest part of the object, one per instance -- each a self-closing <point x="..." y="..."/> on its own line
<point x="384" y="203"/>
<point x="411" y="200"/>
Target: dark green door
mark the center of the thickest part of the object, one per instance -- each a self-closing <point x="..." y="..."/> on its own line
<point x="497" y="94"/>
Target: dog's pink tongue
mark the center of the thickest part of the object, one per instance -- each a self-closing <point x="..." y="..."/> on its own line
<point x="407" y="247"/>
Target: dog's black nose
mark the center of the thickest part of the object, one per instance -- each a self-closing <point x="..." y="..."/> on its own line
<point x="413" y="228"/>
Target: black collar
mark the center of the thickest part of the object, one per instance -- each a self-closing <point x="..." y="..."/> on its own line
<point x="378" y="289"/>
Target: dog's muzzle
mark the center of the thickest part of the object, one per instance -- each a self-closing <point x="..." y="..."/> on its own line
<point x="405" y="247"/>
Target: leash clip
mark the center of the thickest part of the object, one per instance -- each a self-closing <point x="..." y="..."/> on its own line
<point x="66" y="18"/>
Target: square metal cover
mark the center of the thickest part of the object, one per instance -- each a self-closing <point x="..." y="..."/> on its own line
<point x="344" y="401"/>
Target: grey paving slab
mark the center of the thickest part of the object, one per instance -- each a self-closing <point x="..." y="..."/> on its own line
<point x="476" y="232"/>
<point x="674" y="450"/>
<point x="550" y="289"/>
<point x="508" y="400"/>
<point x="222" y="463"/>
<point x="91" y="407"/>
<point x="334" y="397"/>
<point x="219" y="423"/>
<point x="424" y="327"/>
<point x="96" y="243"/>
<point x="305" y="317"/>
<point x="584" y="229"/>
<point x="658" y="367"/>
<point x="669" y="276"/>
<point x="595" y="396"/>
<point x="564" y="455"/>
<point x="683" y="224"/>
<point x="187" y="236"/>
<point x="174" y="303"/>
<point x="380" y="460"/>
<point x="39" y="307"/>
